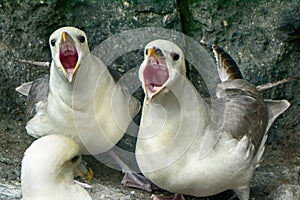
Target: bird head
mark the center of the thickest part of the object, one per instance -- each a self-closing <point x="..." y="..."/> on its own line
<point x="69" y="47"/>
<point x="163" y="61"/>
<point x="49" y="161"/>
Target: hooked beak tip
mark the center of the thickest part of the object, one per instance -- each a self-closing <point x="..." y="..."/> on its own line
<point x="64" y="36"/>
<point x="70" y="74"/>
<point x="148" y="99"/>
<point x="70" y="78"/>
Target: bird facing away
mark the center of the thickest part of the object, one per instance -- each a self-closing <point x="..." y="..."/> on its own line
<point x="80" y="98"/>
<point x="187" y="145"/>
<point x="48" y="170"/>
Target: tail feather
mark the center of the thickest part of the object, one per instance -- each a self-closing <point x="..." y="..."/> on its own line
<point x="24" y="88"/>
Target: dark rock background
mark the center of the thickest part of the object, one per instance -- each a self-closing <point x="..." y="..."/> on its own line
<point x="262" y="36"/>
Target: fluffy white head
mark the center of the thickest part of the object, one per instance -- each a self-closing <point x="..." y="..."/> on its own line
<point x="69" y="47"/>
<point x="48" y="165"/>
<point x="163" y="61"/>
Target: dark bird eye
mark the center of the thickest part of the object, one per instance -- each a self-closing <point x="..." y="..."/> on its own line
<point x="175" y="56"/>
<point x="75" y="158"/>
<point x="81" y="39"/>
<point x="52" y="42"/>
<point x="146" y="52"/>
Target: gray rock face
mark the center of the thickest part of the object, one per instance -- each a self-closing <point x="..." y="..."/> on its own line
<point x="262" y="36"/>
<point x="286" y="192"/>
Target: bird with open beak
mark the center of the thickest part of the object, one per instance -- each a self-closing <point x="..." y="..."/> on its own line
<point x="80" y="98"/>
<point x="191" y="146"/>
<point x="79" y="94"/>
<point x="67" y="56"/>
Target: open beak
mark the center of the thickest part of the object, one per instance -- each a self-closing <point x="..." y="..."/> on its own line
<point x="68" y="56"/>
<point x="155" y="74"/>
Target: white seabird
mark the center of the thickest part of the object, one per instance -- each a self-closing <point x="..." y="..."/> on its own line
<point x="48" y="170"/>
<point x="189" y="146"/>
<point x="80" y="98"/>
<point x="81" y="90"/>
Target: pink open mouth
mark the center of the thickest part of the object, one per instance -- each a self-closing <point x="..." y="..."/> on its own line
<point x="68" y="56"/>
<point x="156" y="74"/>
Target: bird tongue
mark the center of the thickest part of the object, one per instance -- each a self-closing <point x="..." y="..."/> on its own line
<point x="68" y="56"/>
<point x="156" y="74"/>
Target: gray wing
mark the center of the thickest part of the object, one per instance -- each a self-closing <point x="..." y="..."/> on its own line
<point x="38" y="92"/>
<point x="240" y="110"/>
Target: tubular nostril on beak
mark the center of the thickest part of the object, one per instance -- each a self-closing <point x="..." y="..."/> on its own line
<point x="64" y="35"/>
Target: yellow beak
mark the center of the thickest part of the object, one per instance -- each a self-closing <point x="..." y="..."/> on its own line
<point x="151" y="51"/>
<point x="65" y="36"/>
